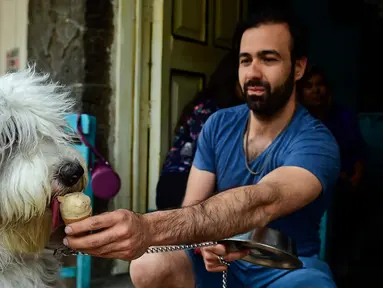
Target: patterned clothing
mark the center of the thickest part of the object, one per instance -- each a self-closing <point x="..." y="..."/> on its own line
<point x="181" y="154"/>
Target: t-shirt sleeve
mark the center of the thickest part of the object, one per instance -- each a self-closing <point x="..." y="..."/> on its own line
<point x="317" y="151"/>
<point x="205" y="154"/>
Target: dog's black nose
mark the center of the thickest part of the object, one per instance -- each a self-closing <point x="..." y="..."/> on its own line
<point x="70" y="173"/>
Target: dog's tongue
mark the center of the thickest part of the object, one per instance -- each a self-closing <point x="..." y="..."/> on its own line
<point x="56" y="216"/>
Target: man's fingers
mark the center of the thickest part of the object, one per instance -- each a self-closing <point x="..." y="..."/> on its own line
<point x="105" y="250"/>
<point x="218" y="249"/>
<point x="91" y="241"/>
<point x="215" y="268"/>
<point x="111" y="248"/>
<point x="231" y="256"/>
<point x="92" y="223"/>
<point x="118" y="250"/>
<point x="97" y="222"/>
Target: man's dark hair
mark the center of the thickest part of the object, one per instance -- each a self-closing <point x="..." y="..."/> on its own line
<point x="271" y="14"/>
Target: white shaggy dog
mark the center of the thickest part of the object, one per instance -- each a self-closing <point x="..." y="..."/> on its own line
<point x="37" y="163"/>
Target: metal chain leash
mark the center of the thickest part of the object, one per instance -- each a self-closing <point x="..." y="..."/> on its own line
<point x="160" y="249"/>
<point x="66" y="251"/>
<point x="224" y="273"/>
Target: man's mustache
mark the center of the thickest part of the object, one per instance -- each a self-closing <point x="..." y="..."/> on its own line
<point x="257" y="83"/>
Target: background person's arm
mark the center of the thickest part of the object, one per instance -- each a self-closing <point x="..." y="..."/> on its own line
<point x="202" y="178"/>
<point x="201" y="185"/>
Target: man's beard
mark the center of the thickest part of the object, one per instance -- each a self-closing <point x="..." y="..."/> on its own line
<point x="270" y="103"/>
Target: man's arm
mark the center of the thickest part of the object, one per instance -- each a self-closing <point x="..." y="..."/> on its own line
<point x="281" y="192"/>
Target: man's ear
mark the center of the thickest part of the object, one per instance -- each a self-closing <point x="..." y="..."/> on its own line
<point x="300" y="68"/>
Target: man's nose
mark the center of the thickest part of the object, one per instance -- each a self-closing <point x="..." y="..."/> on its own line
<point x="254" y="71"/>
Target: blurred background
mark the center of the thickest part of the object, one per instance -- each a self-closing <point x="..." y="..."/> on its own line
<point x="135" y="64"/>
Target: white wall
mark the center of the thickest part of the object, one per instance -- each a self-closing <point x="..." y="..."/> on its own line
<point x="13" y="30"/>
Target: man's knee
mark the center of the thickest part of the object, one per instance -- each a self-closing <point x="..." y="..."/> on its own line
<point x="155" y="270"/>
<point x="147" y="270"/>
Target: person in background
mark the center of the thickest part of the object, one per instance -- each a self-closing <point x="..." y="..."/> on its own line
<point x="222" y="91"/>
<point x="316" y="96"/>
<point x="344" y="235"/>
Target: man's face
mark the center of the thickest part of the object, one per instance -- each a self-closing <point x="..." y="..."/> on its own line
<point x="266" y="74"/>
<point x="315" y="92"/>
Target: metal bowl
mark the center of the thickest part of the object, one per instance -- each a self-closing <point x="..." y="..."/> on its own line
<point x="268" y="248"/>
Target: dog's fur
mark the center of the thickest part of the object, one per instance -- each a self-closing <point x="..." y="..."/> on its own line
<point x="35" y="143"/>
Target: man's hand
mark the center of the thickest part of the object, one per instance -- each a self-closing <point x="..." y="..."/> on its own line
<point x="211" y="257"/>
<point x="124" y="235"/>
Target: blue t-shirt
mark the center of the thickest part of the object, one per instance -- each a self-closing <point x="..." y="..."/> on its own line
<point x="305" y="143"/>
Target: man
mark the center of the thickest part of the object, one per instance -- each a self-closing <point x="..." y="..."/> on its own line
<point x="274" y="164"/>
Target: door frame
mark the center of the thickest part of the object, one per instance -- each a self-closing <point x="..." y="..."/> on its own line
<point x="159" y="88"/>
<point x="131" y="76"/>
<point x="124" y="89"/>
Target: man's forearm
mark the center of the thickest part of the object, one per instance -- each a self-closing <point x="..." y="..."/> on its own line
<point x="224" y="215"/>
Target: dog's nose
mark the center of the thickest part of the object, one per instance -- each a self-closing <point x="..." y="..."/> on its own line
<point x="70" y="173"/>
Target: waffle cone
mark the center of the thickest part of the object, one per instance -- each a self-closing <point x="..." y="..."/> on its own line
<point x="73" y="220"/>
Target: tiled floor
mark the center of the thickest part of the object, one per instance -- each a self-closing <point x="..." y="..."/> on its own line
<point x="120" y="281"/>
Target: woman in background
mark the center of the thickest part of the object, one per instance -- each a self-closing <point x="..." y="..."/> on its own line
<point x="222" y="91"/>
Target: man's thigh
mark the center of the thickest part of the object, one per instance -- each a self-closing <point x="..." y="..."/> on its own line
<point x="304" y="278"/>
<point x="314" y="274"/>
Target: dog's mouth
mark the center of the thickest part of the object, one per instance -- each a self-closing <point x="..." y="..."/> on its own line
<point x="57" y="221"/>
<point x="58" y="225"/>
<point x="68" y="179"/>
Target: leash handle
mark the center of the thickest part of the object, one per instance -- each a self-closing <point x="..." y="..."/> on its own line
<point x="83" y="139"/>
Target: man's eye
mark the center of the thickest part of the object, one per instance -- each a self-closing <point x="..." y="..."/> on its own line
<point x="243" y="61"/>
<point x="270" y="59"/>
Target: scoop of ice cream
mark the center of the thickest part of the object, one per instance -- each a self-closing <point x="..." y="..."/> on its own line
<point x="75" y="205"/>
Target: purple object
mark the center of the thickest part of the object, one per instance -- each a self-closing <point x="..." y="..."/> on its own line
<point x="106" y="183"/>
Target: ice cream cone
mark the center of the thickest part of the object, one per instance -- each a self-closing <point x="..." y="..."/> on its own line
<point x="75" y="207"/>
